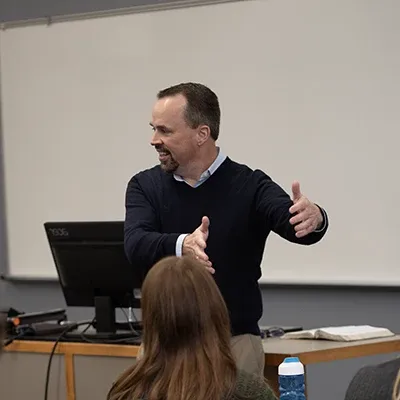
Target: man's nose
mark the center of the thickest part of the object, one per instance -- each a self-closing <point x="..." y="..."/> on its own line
<point x="155" y="140"/>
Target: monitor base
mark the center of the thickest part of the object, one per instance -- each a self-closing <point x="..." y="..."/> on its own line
<point x="90" y="334"/>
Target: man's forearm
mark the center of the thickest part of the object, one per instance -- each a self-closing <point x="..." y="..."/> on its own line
<point x="144" y="244"/>
<point x="144" y="249"/>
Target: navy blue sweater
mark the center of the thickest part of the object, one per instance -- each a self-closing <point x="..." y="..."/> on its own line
<point x="243" y="206"/>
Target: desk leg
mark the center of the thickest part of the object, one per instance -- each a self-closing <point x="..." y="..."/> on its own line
<point x="69" y="375"/>
<point x="271" y="374"/>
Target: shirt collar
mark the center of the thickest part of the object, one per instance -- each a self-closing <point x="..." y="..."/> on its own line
<point x="211" y="169"/>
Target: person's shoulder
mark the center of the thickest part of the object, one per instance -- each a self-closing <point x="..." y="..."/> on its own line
<point x="252" y="387"/>
<point x="252" y="180"/>
<point x="373" y="381"/>
<point x="390" y="366"/>
<point x="386" y="369"/>
<point x="154" y="171"/>
<point x="238" y="166"/>
<point x="149" y="182"/>
<point x="145" y="177"/>
<point x="246" y="171"/>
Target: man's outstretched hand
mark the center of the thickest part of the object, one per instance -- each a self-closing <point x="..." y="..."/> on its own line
<point x="196" y="243"/>
<point x="307" y="216"/>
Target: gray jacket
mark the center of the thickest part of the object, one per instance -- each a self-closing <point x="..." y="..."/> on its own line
<point x="374" y="382"/>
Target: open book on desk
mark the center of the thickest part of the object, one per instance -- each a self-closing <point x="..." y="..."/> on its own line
<point x="341" y="333"/>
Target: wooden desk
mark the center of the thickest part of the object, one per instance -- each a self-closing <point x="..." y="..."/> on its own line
<point x="316" y="351"/>
<point x="116" y="358"/>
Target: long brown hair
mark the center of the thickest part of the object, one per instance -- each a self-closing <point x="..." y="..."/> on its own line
<point x="186" y="338"/>
<point x="396" y="389"/>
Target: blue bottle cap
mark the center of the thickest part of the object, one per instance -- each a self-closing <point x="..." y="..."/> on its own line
<point x="291" y="359"/>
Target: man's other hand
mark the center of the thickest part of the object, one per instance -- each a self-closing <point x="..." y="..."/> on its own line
<point x="196" y="243"/>
<point x="307" y="216"/>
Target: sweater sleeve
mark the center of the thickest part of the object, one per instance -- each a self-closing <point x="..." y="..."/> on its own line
<point x="144" y="243"/>
<point x="250" y="386"/>
<point x="272" y="205"/>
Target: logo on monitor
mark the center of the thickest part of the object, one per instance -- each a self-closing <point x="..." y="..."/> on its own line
<point x="58" y="232"/>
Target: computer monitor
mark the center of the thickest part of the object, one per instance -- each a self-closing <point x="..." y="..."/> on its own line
<point x="94" y="271"/>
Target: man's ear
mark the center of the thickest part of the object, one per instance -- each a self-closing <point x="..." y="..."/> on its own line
<point x="202" y="134"/>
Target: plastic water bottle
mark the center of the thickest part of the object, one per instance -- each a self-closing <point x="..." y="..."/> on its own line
<point x="291" y="379"/>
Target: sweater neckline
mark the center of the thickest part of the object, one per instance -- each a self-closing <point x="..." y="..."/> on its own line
<point x="216" y="173"/>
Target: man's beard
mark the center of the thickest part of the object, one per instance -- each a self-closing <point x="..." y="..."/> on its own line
<point x="169" y="164"/>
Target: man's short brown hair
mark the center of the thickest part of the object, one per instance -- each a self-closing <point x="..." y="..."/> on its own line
<point x="202" y="105"/>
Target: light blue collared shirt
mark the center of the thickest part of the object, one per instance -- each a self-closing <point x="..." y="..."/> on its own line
<point x="207" y="173"/>
<point x="203" y="177"/>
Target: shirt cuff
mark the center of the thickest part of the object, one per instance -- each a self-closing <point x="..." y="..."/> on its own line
<point x="179" y="244"/>
<point x="324" y="220"/>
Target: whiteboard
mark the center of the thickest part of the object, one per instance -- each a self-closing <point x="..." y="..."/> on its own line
<point x="309" y="91"/>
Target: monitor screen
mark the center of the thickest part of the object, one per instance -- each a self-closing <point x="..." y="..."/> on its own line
<point x="91" y="262"/>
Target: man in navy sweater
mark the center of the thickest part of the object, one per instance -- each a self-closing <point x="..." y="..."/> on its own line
<point x="199" y="202"/>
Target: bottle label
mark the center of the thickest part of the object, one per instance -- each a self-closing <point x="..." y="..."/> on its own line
<point x="291" y="387"/>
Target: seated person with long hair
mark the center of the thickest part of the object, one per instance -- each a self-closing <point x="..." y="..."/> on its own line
<point x="187" y="341"/>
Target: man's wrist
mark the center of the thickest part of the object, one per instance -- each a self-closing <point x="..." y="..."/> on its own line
<point x="324" y="218"/>
<point x="179" y="244"/>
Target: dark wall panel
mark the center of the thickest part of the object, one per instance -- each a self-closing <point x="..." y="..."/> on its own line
<point x="14" y="10"/>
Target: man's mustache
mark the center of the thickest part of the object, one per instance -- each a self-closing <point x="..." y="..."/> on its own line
<point x="161" y="148"/>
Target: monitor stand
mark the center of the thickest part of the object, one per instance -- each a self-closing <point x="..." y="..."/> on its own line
<point x="105" y="327"/>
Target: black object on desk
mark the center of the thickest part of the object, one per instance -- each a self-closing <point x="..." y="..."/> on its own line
<point x="277" y="331"/>
<point x="94" y="271"/>
<point x="20" y="325"/>
<point x="22" y="319"/>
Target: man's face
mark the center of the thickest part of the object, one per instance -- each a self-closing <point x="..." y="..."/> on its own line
<point x="173" y="139"/>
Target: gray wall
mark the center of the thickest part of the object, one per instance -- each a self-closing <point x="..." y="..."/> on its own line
<point x="306" y="306"/>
